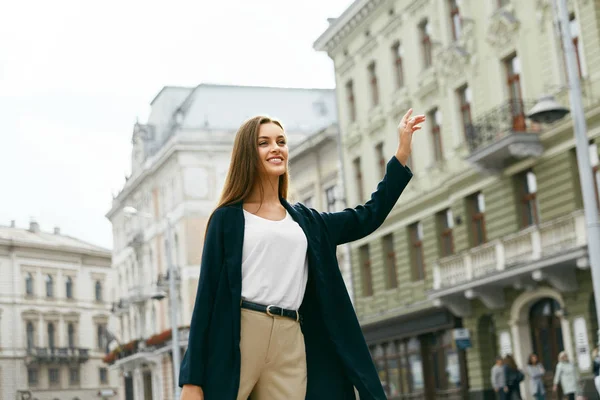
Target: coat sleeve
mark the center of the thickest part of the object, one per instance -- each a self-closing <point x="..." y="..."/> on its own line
<point x="194" y="360"/>
<point x="557" y="374"/>
<point x="355" y="223"/>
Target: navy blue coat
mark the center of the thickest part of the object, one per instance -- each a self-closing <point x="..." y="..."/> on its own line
<point x="337" y="356"/>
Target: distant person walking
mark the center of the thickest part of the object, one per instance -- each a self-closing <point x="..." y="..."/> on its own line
<point x="596" y="368"/>
<point x="535" y="370"/>
<point x="513" y="377"/>
<point x="566" y="375"/>
<point x="498" y="378"/>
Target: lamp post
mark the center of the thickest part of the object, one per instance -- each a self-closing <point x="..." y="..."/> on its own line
<point x="548" y="111"/>
<point x="172" y="298"/>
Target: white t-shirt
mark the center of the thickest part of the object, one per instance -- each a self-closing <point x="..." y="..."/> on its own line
<point x="274" y="262"/>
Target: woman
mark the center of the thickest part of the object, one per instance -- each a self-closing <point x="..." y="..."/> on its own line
<point x="513" y="378"/>
<point x="536" y="372"/>
<point x="596" y="369"/>
<point x="566" y="374"/>
<point x="272" y="318"/>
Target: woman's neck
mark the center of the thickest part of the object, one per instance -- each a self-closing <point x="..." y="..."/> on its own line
<point x="269" y="193"/>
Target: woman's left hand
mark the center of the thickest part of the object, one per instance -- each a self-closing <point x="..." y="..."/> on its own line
<point x="408" y="125"/>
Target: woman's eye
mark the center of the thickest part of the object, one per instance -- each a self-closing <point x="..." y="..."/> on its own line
<point x="262" y="143"/>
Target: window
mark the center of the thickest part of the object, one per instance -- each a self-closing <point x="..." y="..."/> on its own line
<point x="397" y="53"/>
<point x="103" y="376"/>
<point x="526" y="191"/>
<point x="51" y="335"/>
<point x="49" y="286"/>
<point x="446" y="223"/>
<point x="71" y="335"/>
<point x="425" y="32"/>
<point x="373" y="83"/>
<point x="101" y="336"/>
<point x="416" y="247"/>
<point x="464" y="98"/>
<point x="32" y="376"/>
<point x="359" y="180"/>
<point x="512" y="65"/>
<point x="365" y="265"/>
<point x="53" y="376"/>
<point x="436" y="134"/>
<point x="400" y="368"/>
<point x="455" y="19"/>
<point x="594" y="162"/>
<point x="74" y="376"/>
<point x="476" y="206"/>
<point x="351" y="100"/>
<point x="30" y="335"/>
<point x="69" y="287"/>
<point x="330" y="198"/>
<point x="29" y="284"/>
<point x="308" y="202"/>
<point x="380" y="159"/>
<point x="390" y="261"/>
<point x="445" y="362"/>
<point x="502" y="3"/>
<point x="98" y="291"/>
<point x="574" y="32"/>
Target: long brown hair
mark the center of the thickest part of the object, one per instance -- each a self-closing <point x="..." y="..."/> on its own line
<point x="243" y="167"/>
<point x="510" y="361"/>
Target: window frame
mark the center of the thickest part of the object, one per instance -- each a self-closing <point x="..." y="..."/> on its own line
<point x="436" y="135"/>
<point x="49" y="286"/>
<point x="358" y="178"/>
<point x="389" y="253"/>
<point x="426" y="46"/>
<point x="513" y="84"/>
<point x="446" y="233"/>
<point x="366" y="270"/>
<point x="54" y="382"/>
<point x="398" y="67"/>
<point x="98" y="289"/>
<point x="69" y="288"/>
<point x="381" y="161"/>
<point x="455" y="24"/>
<point x="351" y="100"/>
<point x="416" y="250"/>
<point x="465" y="109"/>
<point x="477" y="219"/>
<point x="373" y="83"/>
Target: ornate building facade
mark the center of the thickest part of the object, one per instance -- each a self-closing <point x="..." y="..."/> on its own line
<point x="180" y="159"/>
<point x="486" y="251"/>
<point x="54" y="311"/>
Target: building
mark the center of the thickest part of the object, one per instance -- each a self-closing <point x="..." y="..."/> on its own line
<point x="489" y="238"/>
<point x="316" y="181"/>
<point x="53" y="316"/>
<point x="180" y="159"/>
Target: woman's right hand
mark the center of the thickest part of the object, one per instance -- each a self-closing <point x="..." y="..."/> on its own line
<point x="192" y="392"/>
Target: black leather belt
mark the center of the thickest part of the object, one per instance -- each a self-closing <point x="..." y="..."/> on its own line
<point x="271" y="310"/>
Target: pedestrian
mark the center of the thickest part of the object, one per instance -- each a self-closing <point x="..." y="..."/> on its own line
<point x="513" y="377"/>
<point x="272" y="317"/>
<point x="596" y="369"/>
<point x="566" y="374"/>
<point x="498" y="378"/>
<point x="535" y="370"/>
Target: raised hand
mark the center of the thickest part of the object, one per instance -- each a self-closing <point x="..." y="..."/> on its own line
<point x="408" y="125"/>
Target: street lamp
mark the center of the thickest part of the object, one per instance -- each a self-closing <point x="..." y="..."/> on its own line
<point x="172" y="297"/>
<point x="547" y="110"/>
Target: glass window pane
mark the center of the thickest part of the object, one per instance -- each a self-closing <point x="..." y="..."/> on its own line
<point x="416" y="371"/>
<point x="593" y="150"/>
<point x="453" y="369"/>
<point x="449" y="219"/>
<point x="531" y="183"/>
<point x="480" y="203"/>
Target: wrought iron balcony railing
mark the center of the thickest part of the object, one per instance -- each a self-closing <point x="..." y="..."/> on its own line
<point x="502" y="121"/>
<point x="57" y="355"/>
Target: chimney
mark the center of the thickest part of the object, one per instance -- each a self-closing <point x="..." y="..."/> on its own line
<point x="13" y="223"/>
<point x="34" y="227"/>
<point x="57" y="230"/>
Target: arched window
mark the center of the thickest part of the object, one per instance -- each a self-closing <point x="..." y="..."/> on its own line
<point x="71" y="335"/>
<point x="51" y="341"/>
<point x="98" y="290"/>
<point x="69" y="287"/>
<point x="29" y="284"/>
<point x="30" y="335"/>
<point x="49" y="286"/>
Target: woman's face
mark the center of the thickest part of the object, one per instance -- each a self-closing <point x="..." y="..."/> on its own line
<point x="272" y="149"/>
<point x="534" y="359"/>
<point x="564" y="358"/>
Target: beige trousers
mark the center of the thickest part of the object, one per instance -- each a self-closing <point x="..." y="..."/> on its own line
<point x="273" y="364"/>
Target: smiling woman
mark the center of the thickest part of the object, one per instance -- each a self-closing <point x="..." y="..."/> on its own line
<point x="272" y="318"/>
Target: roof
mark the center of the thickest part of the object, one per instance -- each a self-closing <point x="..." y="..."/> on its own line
<point x="27" y="238"/>
<point x="226" y="107"/>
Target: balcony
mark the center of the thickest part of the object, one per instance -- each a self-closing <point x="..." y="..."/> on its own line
<point x="547" y="252"/>
<point x="502" y="136"/>
<point x="162" y="281"/>
<point x="139" y="294"/>
<point x="57" y="355"/>
<point x="119" y="307"/>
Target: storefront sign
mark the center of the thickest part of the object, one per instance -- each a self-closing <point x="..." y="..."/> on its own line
<point x="505" y="343"/>
<point x="462" y="338"/>
<point x="582" y="347"/>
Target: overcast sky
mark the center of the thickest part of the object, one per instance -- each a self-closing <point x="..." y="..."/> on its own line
<point x="74" y="75"/>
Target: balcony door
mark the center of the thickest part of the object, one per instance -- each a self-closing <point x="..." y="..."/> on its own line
<point x="147" y="385"/>
<point x="513" y="80"/>
<point x="546" y="336"/>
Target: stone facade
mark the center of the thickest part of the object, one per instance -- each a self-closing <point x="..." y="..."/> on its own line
<point x="54" y="311"/>
<point x="488" y="236"/>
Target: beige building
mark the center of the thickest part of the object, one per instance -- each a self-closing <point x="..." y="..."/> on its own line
<point x="54" y="310"/>
<point x="180" y="159"/>
<point x="487" y="246"/>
